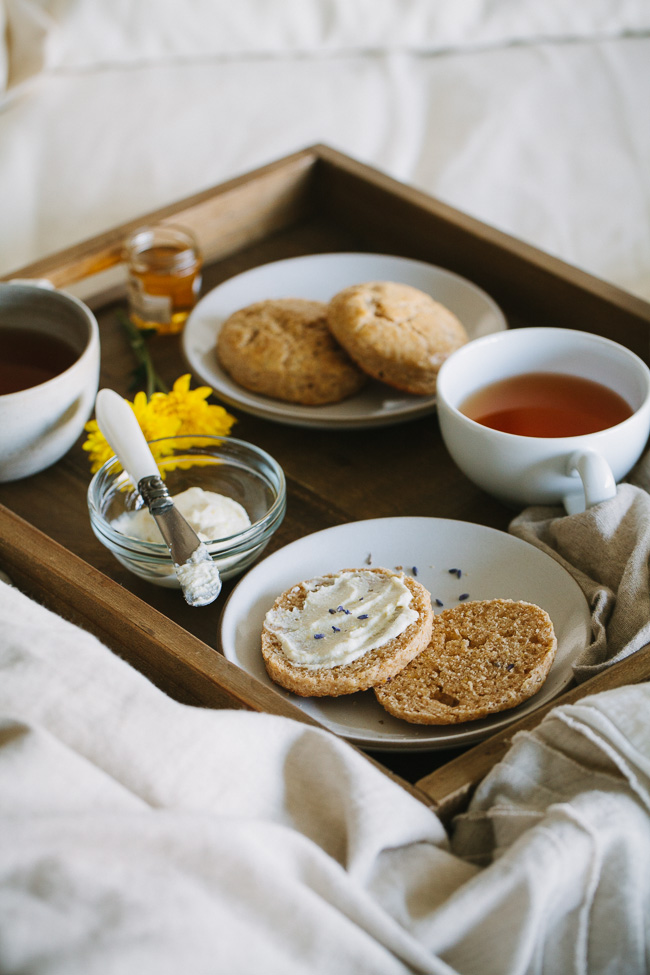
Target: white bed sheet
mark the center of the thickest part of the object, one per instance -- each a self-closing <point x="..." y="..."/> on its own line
<point x="141" y="835"/>
<point x="536" y="124"/>
<point x="130" y="838"/>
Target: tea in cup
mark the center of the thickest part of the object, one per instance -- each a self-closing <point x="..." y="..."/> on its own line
<point x="49" y="375"/>
<point x="545" y="415"/>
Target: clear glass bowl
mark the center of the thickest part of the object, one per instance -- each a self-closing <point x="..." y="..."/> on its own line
<point x="225" y="465"/>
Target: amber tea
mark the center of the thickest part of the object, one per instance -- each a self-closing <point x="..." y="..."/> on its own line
<point x="29" y="357"/>
<point x="546" y="405"/>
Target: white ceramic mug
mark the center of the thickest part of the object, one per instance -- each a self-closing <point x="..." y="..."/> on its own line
<point x="578" y="471"/>
<point x="38" y="425"/>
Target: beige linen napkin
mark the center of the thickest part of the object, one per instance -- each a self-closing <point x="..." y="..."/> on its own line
<point x="606" y="550"/>
<point x="562" y="825"/>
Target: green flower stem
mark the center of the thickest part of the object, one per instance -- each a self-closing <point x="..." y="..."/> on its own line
<point x="145" y="371"/>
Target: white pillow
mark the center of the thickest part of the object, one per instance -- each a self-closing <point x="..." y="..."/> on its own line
<point x="82" y="34"/>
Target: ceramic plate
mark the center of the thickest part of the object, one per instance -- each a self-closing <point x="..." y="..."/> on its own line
<point x="319" y="277"/>
<point x="493" y="564"/>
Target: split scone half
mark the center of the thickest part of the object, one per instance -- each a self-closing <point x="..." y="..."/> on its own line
<point x="345" y="631"/>
<point x="483" y="657"/>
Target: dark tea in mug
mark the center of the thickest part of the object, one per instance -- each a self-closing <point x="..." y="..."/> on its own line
<point x="29" y="357"/>
<point x="544" y="404"/>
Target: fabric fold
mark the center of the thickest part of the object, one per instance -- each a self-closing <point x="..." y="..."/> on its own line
<point x="561" y="826"/>
<point x="140" y="834"/>
<point x="607" y="551"/>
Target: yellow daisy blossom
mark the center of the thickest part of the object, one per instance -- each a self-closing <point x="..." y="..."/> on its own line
<point x="181" y="412"/>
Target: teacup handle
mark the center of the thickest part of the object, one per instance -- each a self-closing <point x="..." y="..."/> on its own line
<point x="598" y="482"/>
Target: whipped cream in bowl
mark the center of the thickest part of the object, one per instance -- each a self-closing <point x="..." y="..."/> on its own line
<point x="231" y="492"/>
<point x="211" y="515"/>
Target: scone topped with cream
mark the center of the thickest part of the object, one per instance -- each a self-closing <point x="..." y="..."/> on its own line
<point x="346" y="631"/>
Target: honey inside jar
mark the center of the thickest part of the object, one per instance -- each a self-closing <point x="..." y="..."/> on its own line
<point x="164" y="277"/>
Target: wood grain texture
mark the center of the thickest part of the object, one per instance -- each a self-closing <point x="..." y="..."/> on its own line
<point x="141" y="635"/>
<point x="224" y="219"/>
<point x="314" y="201"/>
<point x="175" y="660"/>
<point x="536" y="288"/>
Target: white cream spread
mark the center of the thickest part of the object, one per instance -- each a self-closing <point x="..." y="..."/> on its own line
<point x="199" y="578"/>
<point x="211" y="515"/>
<point x="343" y="617"/>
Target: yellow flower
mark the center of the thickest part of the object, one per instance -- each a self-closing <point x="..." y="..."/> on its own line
<point x="189" y="410"/>
<point x="181" y="412"/>
<point x="98" y="450"/>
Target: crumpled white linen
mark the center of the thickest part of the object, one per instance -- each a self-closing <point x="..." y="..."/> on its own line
<point x="139" y="834"/>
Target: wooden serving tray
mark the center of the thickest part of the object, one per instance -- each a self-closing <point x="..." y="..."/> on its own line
<point x="315" y="201"/>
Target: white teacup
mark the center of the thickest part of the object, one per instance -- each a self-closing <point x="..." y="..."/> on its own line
<point x="40" y="423"/>
<point x="578" y="471"/>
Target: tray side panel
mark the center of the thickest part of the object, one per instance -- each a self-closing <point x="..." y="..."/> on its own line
<point x="177" y="662"/>
<point x="533" y="286"/>
<point x="452" y="785"/>
<point x="169" y="655"/>
<point x="224" y="219"/>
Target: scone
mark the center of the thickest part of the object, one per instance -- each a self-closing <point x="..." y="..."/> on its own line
<point x="346" y="631"/>
<point x="484" y="656"/>
<point x="395" y="333"/>
<point x="283" y="348"/>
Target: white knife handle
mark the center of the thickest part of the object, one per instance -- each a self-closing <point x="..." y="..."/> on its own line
<point x="118" y="423"/>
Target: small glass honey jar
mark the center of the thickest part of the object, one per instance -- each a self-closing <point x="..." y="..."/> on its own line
<point x="164" y="276"/>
